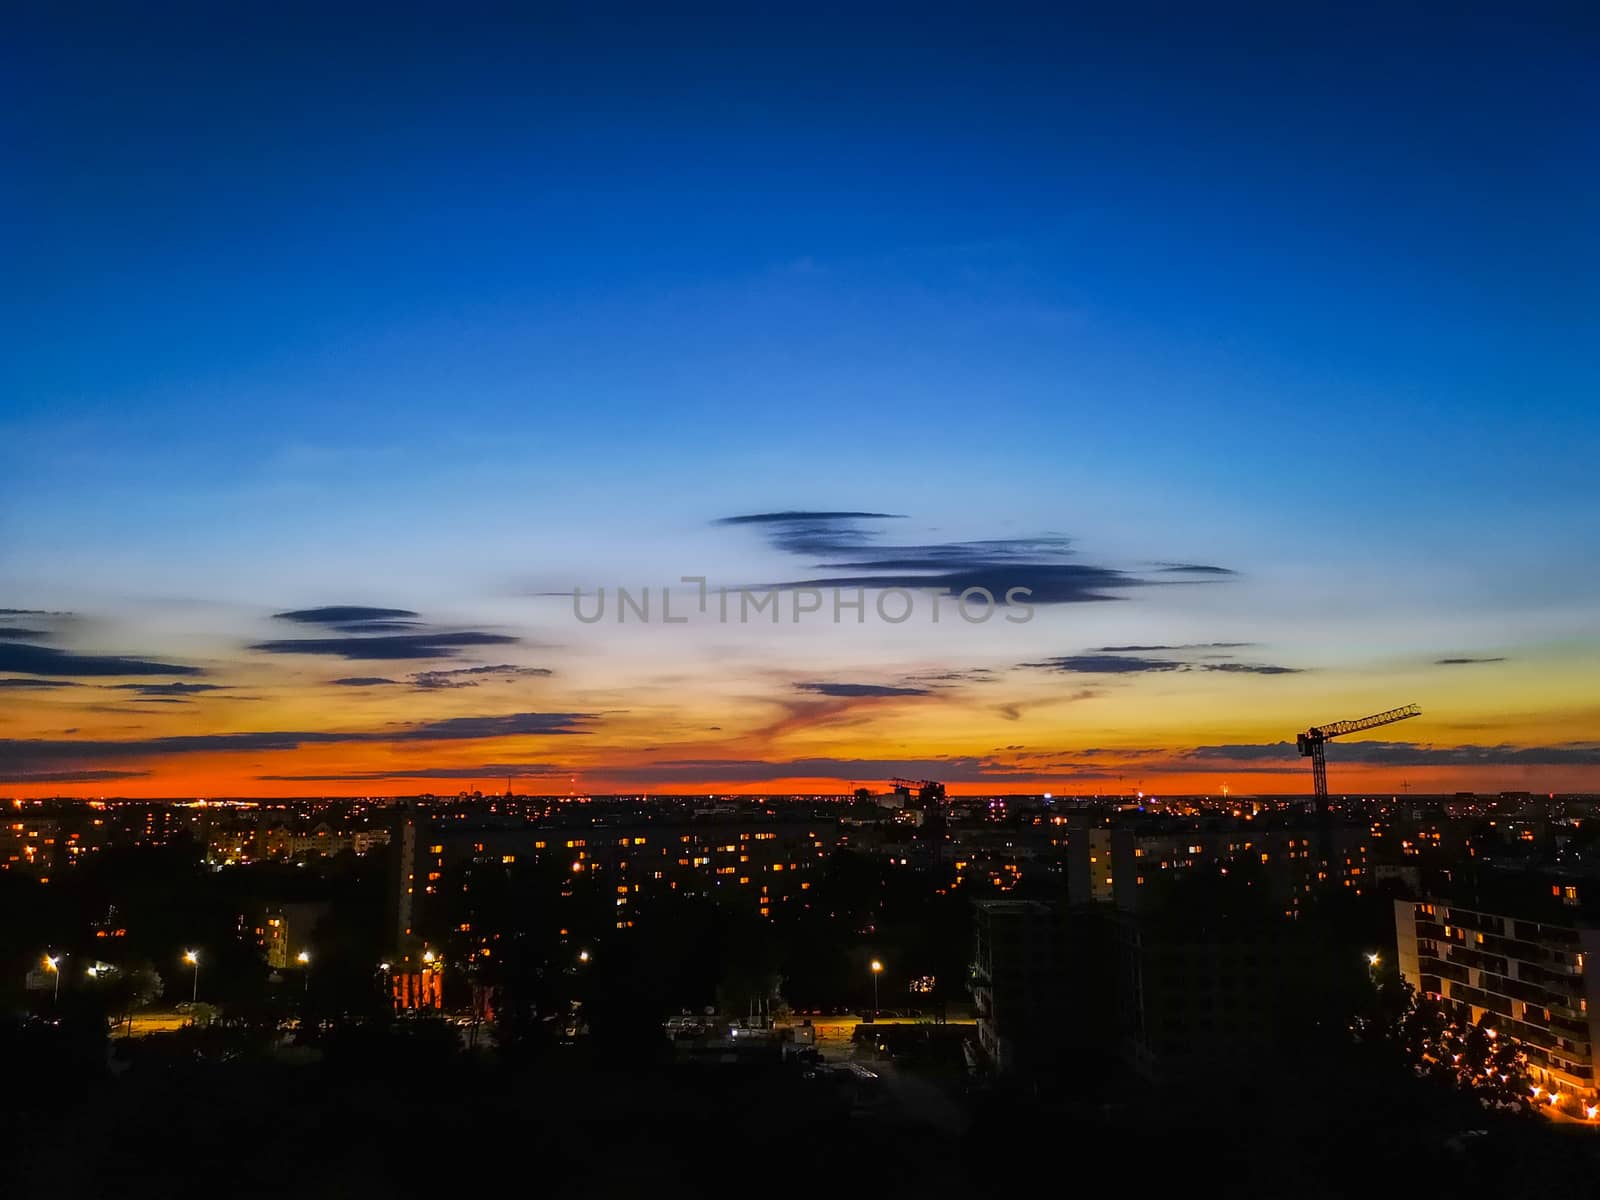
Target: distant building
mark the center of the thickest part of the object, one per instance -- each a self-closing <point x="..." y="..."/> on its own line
<point x="1128" y="861"/>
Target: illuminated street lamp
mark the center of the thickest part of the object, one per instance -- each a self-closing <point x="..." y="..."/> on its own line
<point x="583" y="956"/>
<point x="877" y="969"/>
<point x="52" y="963"/>
<point x="304" y="959"/>
<point x="192" y="957"/>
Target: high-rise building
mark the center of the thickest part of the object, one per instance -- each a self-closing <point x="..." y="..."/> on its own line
<point x="1533" y="976"/>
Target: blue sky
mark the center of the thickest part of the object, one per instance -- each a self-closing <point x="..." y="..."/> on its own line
<point x="389" y="309"/>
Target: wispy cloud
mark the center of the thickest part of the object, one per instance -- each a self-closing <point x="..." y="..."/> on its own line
<point x="387" y="647"/>
<point x="849" y="554"/>
<point x="168" y="689"/>
<point x="24" y="756"/>
<point x="463" y="677"/>
<point x="845" y="691"/>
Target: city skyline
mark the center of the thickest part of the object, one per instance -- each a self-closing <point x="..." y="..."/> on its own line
<point x="1258" y="361"/>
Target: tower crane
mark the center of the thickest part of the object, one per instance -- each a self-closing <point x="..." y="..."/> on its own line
<point x="1311" y="743"/>
<point x="930" y="792"/>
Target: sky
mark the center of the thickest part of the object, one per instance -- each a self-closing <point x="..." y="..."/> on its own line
<point x="1257" y="343"/>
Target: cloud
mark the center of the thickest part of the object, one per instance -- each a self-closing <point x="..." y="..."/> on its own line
<point x="340" y="616"/>
<point x="462" y="677"/>
<point x="453" y="728"/>
<point x="855" y="770"/>
<point x="388" y="646"/>
<point x="476" y="771"/>
<point x="1191" y="569"/>
<point x="1415" y="754"/>
<point x="45" y="660"/>
<point x="72" y="776"/>
<point x="1249" y="668"/>
<point x="1462" y="662"/>
<point x="23" y="755"/>
<point x="852" y="690"/>
<point x="851" y="556"/>
<point x="1106" y="664"/>
<point x="168" y="689"/>
<point x="968" y="675"/>
<point x="35" y="684"/>
<point x="363" y="681"/>
<point x="15" y="633"/>
<point x="812" y="533"/>
<point x="1135" y="660"/>
<point x="1170" y="649"/>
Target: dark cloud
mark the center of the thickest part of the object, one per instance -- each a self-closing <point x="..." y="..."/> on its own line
<point x="45" y="660"/>
<point x="852" y="690"/>
<point x="1462" y="662"/>
<point x="485" y="727"/>
<point x="849" y="555"/>
<point x="1045" y="583"/>
<point x="338" y="615"/>
<point x="28" y="612"/>
<point x="1191" y="569"/>
<point x="970" y="675"/>
<point x="856" y="770"/>
<point x="1415" y="754"/>
<point x="363" y="681"/>
<point x="1170" y="649"/>
<point x="1135" y="660"/>
<point x="168" y="689"/>
<point x="72" y="776"/>
<point x="15" y="633"/>
<point x="461" y="677"/>
<point x="1106" y="664"/>
<point x="496" y="771"/>
<point x="1249" y="668"/>
<point x="21" y="755"/>
<point x="387" y="647"/>
<point x="813" y="533"/>
<point x="34" y="684"/>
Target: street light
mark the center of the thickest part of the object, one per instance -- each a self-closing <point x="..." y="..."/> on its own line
<point x="583" y="956"/>
<point x="1372" y="960"/>
<point x="52" y="963"/>
<point x="304" y="959"/>
<point x="192" y="957"/>
<point x="877" y="969"/>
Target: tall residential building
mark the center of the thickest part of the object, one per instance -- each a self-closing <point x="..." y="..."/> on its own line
<point x="1019" y="974"/>
<point x="1534" y="976"/>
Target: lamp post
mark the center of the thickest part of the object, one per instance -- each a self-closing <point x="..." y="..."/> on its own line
<point x="52" y="963"/>
<point x="192" y="957"/>
<point x="877" y="969"/>
<point x="304" y="959"/>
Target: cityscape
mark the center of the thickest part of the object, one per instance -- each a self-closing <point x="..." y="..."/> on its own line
<point x="751" y="600"/>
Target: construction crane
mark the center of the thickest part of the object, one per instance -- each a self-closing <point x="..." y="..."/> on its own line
<point x="930" y="792"/>
<point x="1311" y="743"/>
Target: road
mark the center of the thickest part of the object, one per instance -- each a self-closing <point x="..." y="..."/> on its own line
<point x="151" y="1022"/>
